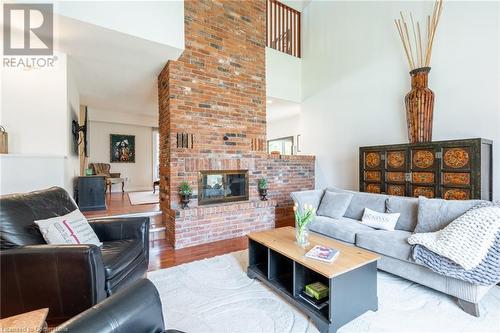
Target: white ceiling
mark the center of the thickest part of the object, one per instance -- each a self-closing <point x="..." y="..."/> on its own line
<point x="277" y="109"/>
<point x="113" y="71"/>
<point x="297" y="4"/>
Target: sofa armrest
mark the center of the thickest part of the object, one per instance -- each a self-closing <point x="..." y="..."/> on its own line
<point x="312" y="197"/>
<point x="118" y="228"/>
<point x="67" y="279"/>
<point x="134" y="309"/>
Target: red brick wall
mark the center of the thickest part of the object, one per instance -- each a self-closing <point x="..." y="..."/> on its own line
<point x="216" y="89"/>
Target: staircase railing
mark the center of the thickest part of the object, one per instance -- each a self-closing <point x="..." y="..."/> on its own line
<point x="283" y="28"/>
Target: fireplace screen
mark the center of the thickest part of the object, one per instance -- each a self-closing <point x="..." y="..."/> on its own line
<point x="222" y="186"/>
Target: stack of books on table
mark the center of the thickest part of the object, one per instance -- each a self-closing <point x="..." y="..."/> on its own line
<point x="315" y="294"/>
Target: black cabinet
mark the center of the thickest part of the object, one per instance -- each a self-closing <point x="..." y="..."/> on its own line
<point x="454" y="169"/>
<point x="89" y="193"/>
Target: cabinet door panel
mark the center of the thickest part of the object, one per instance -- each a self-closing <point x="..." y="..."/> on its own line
<point x="456" y="178"/>
<point x="424" y="191"/>
<point x="395" y="189"/>
<point x="423" y="177"/>
<point x="456" y="194"/>
<point x="396" y="160"/>
<point x="395" y="177"/>
<point x="423" y="158"/>
<point x="457" y="158"/>
<point x="373" y="188"/>
<point x="373" y="159"/>
<point x="375" y="176"/>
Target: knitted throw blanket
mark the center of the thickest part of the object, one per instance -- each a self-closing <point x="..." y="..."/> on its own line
<point x="467" y="239"/>
<point x="486" y="273"/>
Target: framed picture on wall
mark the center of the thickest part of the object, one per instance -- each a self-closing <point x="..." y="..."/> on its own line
<point x="122" y="148"/>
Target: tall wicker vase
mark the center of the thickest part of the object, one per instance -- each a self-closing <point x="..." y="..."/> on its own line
<point x="419" y="107"/>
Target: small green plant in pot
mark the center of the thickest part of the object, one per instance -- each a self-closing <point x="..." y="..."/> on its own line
<point x="262" y="185"/>
<point x="185" y="191"/>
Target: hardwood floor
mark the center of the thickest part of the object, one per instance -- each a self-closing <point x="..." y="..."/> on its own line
<point x="118" y="203"/>
<point x="164" y="256"/>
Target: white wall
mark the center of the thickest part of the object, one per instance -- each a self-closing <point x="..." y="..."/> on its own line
<point x="283" y="75"/>
<point x="354" y="78"/>
<point x="34" y="108"/>
<point x="283" y="127"/>
<point x="157" y="21"/>
<point x="37" y="107"/>
<point x="123" y="117"/>
<point x="73" y="111"/>
<point x="139" y="174"/>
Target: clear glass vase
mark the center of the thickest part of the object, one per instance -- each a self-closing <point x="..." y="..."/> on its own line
<point x="302" y="236"/>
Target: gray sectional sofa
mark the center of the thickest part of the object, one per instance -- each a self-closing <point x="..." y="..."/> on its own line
<point x="392" y="245"/>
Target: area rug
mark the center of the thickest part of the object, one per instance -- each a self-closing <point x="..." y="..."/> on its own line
<point x="142" y="198"/>
<point x="215" y="295"/>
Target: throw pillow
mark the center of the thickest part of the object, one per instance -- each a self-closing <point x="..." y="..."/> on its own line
<point x="72" y="228"/>
<point x="383" y="221"/>
<point x="408" y="207"/>
<point x="435" y="214"/>
<point x="334" y="205"/>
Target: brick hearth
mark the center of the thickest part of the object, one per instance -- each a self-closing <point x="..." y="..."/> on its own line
<point x="215" y="90"/>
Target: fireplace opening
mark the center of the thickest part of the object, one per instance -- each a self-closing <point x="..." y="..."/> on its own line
<point x="222" y="186"/>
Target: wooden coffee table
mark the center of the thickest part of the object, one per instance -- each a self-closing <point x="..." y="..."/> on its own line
<point x="277" y="261"/>
<point x="33" y="321"/>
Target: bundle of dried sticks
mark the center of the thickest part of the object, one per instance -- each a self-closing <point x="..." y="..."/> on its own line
<point x="415" y="53"/>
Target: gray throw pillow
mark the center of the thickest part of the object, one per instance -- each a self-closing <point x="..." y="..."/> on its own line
<point x="360" y="201"/>
<point x="408" y="207"/>
<point x="435" y="214"/>
<point x="334" y="205"/>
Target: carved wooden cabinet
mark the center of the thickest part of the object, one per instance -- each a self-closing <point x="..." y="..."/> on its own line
<point x="455" y="169"/>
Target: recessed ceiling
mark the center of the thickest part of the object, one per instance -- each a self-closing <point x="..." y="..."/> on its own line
<point x="113" y="71"/>
<point x="277" y="109"/>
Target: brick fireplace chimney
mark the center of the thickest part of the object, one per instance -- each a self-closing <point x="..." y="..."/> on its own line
<point x="212" y="105"/>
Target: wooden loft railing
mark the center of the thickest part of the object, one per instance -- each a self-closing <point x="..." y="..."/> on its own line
<point x="283" y="28"/>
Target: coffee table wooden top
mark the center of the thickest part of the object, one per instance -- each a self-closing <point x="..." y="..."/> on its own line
<point x="33" y="321"/>
<point x="282" y="240"/>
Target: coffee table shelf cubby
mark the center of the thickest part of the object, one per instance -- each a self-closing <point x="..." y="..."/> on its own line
<point x="279" y="263"/>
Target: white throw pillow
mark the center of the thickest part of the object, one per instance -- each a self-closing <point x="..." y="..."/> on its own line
<point x="72" y="228"/>
<point x="384" y="221"/>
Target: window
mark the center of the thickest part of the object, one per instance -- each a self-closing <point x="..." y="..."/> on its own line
<point x="283" y="145"/>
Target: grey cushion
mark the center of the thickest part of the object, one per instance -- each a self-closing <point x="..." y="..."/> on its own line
<point x="435" y="214"/>
<point x="312" y="197"/>
<point x="389" y="243"/>
<point x="408" y="207"/>
<point x="334" y="205"/>
<point x="343" y="229"/>
<point x="360" y="201"/>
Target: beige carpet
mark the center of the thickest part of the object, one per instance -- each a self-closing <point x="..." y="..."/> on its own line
<point x="144" y="197"/>
<point x="215" y="295"/>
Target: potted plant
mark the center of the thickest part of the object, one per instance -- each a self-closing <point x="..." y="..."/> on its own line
<point x="185" y="192"/>
<point x="303" y="217"/>
<point x="262" y="185"/>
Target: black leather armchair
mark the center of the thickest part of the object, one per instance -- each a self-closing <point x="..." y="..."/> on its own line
<point x="67" y="279"/>
<point x="136" y="309"/>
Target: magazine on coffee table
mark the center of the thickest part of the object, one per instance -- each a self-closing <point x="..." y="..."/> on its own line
<point x="323" y="253"/>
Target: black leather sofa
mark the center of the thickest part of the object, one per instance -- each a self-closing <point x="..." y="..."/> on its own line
<point x="136" y="309"/>
<point x="67" y="279"/>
